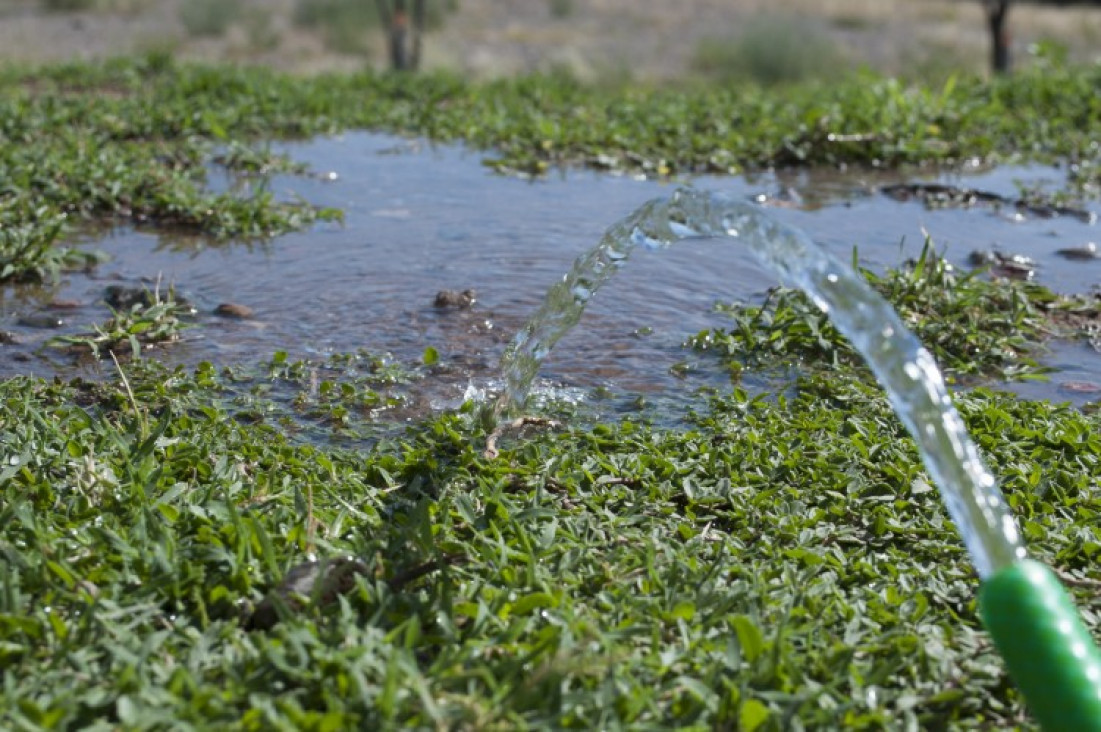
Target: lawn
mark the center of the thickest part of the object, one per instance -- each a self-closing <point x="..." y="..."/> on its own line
<point x="178" y="552"/>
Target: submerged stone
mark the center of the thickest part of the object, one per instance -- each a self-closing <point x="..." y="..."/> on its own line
<point x="454" y="299"/>
<point x="233" y="310"/>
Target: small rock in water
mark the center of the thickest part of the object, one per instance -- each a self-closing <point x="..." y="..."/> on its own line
<point x="455" y="299"/>
<point x="123" y="297"/>
<point x="40" y="320"/>
<point x="7" y="338"/>
<point x="982" y="257"/>
<point x="1080" y="387"/>
<point x="233" y="310"/>
<point x="1012" y="266"/>
<point x="64" y="304"/>
<point x="1014" y="270"/>
<point x="787" y="197"/>
<point x="1085" y="252"/>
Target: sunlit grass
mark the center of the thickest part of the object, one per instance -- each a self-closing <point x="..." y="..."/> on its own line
<point x="776" y="560"/>
<point x="781" y="560"/>
<point x="975" y="327"/>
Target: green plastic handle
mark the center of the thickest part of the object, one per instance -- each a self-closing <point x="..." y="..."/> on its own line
<point x="1049" y="652"/>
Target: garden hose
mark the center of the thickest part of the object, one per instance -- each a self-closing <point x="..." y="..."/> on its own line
<point x="1049" y="652"/>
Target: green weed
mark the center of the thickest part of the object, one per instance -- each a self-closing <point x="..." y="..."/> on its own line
<point x="244" y="160"/>
<point x="28" y="251"/>
<point x="158" y="320"/>
<point x="974" y="327"/>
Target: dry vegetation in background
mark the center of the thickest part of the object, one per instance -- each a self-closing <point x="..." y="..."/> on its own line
<point x="612" y="39"/>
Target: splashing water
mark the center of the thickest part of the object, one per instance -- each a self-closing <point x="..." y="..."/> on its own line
<point x="903" y="366"/>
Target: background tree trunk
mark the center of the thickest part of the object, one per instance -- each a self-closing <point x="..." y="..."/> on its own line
<point x="418" y="31"/>
<point x="403" y="32"/>
<point x="996" y="13"/>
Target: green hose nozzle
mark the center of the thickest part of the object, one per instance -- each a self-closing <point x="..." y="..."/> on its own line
<point x="1049" y="652"/>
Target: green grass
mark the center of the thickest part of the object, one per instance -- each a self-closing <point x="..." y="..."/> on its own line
<point x="975" y="327"/>
<point x="781" y="560"/>
<point x="28" y="250"/>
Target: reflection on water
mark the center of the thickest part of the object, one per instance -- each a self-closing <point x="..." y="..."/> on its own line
<point x="420" y="219"/>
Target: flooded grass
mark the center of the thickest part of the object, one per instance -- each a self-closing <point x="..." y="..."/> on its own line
<point x="130" y="141"/>
<point x="975" y="327"/>
<point x="155" y="319"/>
<point x="291" y="541"/>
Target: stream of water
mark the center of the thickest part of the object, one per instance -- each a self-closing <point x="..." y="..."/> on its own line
<point x="904" y="367"/>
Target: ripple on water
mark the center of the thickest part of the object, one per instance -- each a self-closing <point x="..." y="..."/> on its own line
<point x="429" y="218"/>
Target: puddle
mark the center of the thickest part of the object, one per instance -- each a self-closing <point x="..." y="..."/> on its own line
<point x="422" y="218"/>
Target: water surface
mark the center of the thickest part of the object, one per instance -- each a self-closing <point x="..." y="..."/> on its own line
<point x="423" y="218"/>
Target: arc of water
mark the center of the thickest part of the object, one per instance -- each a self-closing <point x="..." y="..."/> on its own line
<point x="905" y="368"/>
<point x="1048" y="650"/>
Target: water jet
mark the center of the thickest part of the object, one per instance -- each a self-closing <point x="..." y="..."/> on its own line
<point x="1048" y="650"/>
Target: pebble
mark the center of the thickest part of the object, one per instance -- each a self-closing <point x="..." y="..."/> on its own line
<point x="455" y="299"/>
<point x="1080" y="387"/>
<point x="1085" y="252"/>
<point x="40" y="320"/>
<point x="233" y="310"/>
<point x="121" y="297"/>
<point x="1012" y="266"/>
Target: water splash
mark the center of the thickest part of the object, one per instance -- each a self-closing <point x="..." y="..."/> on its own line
<point x="903" y="366"/>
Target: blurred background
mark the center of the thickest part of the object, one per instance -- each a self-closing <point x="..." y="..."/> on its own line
<point x="769" y="41"/>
